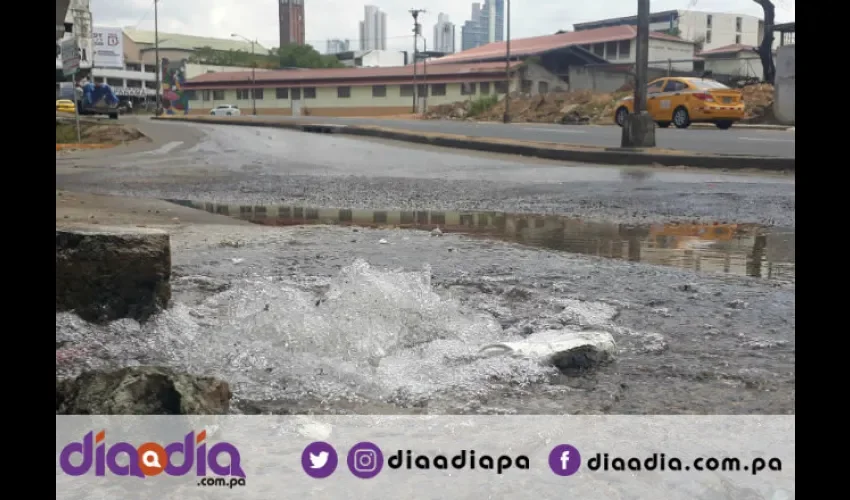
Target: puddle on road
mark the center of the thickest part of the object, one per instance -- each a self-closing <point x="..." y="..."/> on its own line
<point x="741" y="249"/>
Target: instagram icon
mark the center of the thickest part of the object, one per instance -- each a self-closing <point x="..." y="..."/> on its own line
<point x="365" y="460"/>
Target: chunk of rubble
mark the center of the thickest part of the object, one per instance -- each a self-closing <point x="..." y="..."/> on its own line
<point x="569" y="351"/>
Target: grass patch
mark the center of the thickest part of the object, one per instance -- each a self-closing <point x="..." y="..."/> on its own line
<point x="482" y="105"/>
<point x="66" y="133"/>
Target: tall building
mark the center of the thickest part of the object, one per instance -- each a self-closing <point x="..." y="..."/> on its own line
<point x="373" y="29"/>
<point x="444" y="34"/>
<point x="335" y="46"/>
<point x="486" y="25"/>
<point x="291" y="22"/>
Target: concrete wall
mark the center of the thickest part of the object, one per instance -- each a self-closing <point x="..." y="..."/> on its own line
<point x="786" y="80"/>
<point x="693" y="25"/>
<point x="623" y="52"/>
<point x="596" y="78"/>
<point x="542" y="80"/>
<point x="661" y="51"/>
<point x="742" y="63"/>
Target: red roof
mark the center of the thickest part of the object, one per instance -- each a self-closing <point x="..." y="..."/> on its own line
<point x="295" y="76"/>
<point x="727" y="49"/>
<point x="539" y="44"/>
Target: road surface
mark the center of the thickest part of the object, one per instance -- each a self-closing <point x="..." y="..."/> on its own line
<point x="740" y="141"/>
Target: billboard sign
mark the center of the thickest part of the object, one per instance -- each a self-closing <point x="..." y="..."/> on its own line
<point x="70" y="54"/>
<point x="108" y="46"/>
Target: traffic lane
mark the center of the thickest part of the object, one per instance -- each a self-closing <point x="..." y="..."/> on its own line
<point x="779" y="143"/>
<point x="262" y="166"/>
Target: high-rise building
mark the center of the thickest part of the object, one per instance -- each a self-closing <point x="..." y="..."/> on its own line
<point x="291" y="22"/>
<point x="335" y="46"/>
<point x="486" y="25"/>
<point x="373" y="29"/>
<point x="444" y="34"/>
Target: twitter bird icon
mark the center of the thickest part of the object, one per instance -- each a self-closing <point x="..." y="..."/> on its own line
<point x="319" y="460"/>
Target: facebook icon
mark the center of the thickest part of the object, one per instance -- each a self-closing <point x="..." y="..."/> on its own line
<point x="564" y="460"/>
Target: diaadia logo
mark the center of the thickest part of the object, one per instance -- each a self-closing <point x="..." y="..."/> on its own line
<point x="152" y="459"/>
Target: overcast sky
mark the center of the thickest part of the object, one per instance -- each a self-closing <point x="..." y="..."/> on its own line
<point x="339" y="18"/>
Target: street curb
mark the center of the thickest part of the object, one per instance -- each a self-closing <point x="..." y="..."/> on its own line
<point x="548" y="151"/>
<point x="73" y="145"/>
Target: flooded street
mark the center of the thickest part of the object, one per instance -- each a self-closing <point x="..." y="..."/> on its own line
<point x="341" y="299"/>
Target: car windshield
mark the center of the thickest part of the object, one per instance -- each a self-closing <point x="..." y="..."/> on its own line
<point x="707" y="84"/>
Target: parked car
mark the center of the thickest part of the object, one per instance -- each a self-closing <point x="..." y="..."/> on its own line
<point x="225" y="110"/>
<point x="65" y="106"/>
<point x="683" y="101"/>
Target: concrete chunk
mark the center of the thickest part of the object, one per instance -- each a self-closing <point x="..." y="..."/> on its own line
<point x="110" y="273"/>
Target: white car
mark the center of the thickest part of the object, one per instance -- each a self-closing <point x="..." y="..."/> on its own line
<point x="225" y="110"/>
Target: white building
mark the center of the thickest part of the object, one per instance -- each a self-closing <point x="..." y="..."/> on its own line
<point x="373" y="29"/>
<point x="711" y="30"/>
<point x="444" y="35"/>
<point x="371" y="58"/>
<point x="335" y="46"/>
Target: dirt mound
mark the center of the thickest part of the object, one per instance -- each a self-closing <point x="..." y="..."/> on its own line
<point x="96" y="133"/>
<point x="581" y="107"/>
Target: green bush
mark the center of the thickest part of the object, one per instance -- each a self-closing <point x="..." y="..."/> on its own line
<point x="482" y="104"/>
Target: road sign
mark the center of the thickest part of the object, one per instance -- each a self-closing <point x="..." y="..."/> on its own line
<point x="70" y="57"/>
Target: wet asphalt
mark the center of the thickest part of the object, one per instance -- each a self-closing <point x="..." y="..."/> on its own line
<point x="225" y="164"/>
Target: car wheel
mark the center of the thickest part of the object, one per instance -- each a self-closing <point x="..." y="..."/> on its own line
<point x="620" y="116"/>
<point x="663" y="124"/>
<point x="681" y="118"/>
<point x="723" y="124"/>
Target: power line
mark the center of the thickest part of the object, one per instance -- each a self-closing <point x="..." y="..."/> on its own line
<point x="145" y="15"/>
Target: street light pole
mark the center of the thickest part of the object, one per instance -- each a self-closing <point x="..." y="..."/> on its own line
<point x="415" y="13"/>
<point x="156" y="54"/>
<point x="639" y="127"/>
<point x="507" y="117"/>
<point x="253" y="71"/>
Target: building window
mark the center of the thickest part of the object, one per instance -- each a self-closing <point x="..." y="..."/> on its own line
<point x="296" y="94"/>
<point x="309" y="92"/>
<point x="708" y="36"/>
<point x="281" y="93"/>
<point x="611" y="50"/>
<point x="738" y="39"/>
<point x="708" y="21"/>
<point x="191" y="95"/>
<point x="134" y="84"/>
<point x="500" y="87"/>
<point x="149" y="85"/>
<point x="205" y="95"/>
<point x="243" y="94"/>
<point x="484" y="88"/>
<point x="438" y="89"/>
<point x="134" y="67"/>
<point x="467" y="88"/>
<point x="115" y="82"/>
<point x="379" y="90"/>
<point x="738" y="23"/>
<point x="542" y="87"/>
<point x="343" y="92"/>
<point x="422" y="90"/>
<point x="149" y="68"/>
<point x="218" y="95"/>
<point x="599" y="49"/>
<point x="525" y="86"/>
<point x="624" y="50"/>
<point x="258" y="94"/>
<point x="405" y="91"/>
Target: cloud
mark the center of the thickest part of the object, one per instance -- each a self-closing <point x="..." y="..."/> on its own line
<point x="327" y="19"/>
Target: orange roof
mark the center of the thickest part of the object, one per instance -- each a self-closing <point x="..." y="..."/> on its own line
<point x="539" y="44"/>
<point x="353" y="74"/>
<point x="727" y="49"/>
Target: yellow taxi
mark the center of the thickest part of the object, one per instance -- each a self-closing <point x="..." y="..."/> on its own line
<point x="683" y="101"/>
<point x="65" y="106"/>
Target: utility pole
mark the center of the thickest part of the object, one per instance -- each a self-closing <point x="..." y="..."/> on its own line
<point x="416" y="30"/>
<point x="253" y="71"/>
<point x="156" y="53"/>
<point x="639" y="127"/>
<point x="507" y="117"/>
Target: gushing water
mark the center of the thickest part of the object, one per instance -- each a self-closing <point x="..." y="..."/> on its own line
<point x="366" y="334"/>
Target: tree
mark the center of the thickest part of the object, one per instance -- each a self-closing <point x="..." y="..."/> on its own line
<point x="300" y="56"/>
<point x="765" y="50"/>
<point x="304" y="56"/>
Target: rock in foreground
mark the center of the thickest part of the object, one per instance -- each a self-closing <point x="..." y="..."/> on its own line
<point x="148" y="390"/>
<point x="571" y="352"/>
<point x="109" y="274"/>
